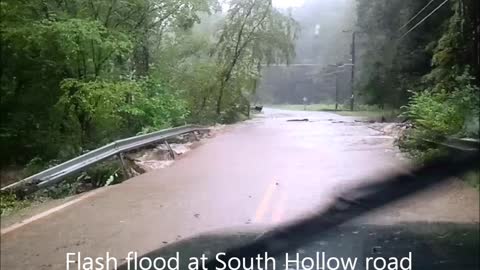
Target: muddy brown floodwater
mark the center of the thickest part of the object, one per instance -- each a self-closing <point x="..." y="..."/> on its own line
<point x="257" y="173"/>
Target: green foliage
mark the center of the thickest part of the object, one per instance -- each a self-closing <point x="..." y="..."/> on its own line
<point x="104" y="174"/>
<point x="253" y="33"/>
<point x="473" y="178"/>
<point x="419" y="144"/>
<point x="435" y="60"/>
<point x="9" y="203"/>
<point x="439" y="112"/>
<point x="390" y="65"/>
<point x="155" y="107"/>
<point x="96" y="112"/>
<point x="77" y="74"/>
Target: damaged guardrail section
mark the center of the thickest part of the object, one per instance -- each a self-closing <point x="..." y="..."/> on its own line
<point x="57" y="173"/>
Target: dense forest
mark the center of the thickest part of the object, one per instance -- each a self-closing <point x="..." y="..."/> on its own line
<point x="77" y="74"/>
<point x="422" y="56"/>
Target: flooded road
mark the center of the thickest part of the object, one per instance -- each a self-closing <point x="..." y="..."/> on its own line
<point x="258" y="173"/>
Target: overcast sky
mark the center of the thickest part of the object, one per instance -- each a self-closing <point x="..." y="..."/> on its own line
<point x="287" y="3"/>
<point x="276" y="3"/>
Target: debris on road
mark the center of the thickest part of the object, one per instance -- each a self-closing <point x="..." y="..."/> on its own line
<point x="395" y="130"/>
<point x="159" y="156"/>
<point x="258" y="108"/>
<point x="298" y="120"/>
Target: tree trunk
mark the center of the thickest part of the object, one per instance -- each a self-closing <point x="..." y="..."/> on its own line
<point x="219" y="100"/>
<point x="142" y="57"/>
<point x="476" y="37"/>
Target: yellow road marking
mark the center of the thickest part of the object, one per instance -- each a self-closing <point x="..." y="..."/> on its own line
<point x="279" y="210"/>
<point x="264" y="204"/>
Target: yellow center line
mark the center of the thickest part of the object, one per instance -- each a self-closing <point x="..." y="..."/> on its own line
<point x="264" y="204"/>
<point x="277" y="215"/>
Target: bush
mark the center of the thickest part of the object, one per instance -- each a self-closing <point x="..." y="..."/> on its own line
<point x="154" y="107"/>
<point x="90" y="114"/>
<point x="103" y="174"/>
<point x="9" y="203"/>
<point x="443" y="113"/>
<point x="438" y="112"/>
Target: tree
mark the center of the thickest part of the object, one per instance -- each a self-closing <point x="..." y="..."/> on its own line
<point x="390" y="65"/>
<point x="428" y="64"/>
<point x="79" y="73"/>
<point x="254" y="33"/>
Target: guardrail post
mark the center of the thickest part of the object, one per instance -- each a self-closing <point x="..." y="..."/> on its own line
<point x="195" y="136"/>
<point x="170" y="150"/>
<point x="124" y="166"/>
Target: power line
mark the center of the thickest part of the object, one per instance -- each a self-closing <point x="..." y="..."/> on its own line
<point x="424" y="19"/>
<point x="416" y="15"/>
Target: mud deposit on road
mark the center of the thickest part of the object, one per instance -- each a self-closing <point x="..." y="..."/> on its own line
<point x="160" y="156"/>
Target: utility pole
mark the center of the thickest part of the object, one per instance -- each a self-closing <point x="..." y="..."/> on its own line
<point x="336" y="91"/>
<point x="354" y="37"/>
<point x="333" y="70"/>
<point x="338" y="71"/>
<point x="476" y="46"/>
<point x="352" y="98"/>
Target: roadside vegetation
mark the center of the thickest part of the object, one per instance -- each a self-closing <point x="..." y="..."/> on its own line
<point x="9" y="203"/>
<point x="420" y="61"/>
<point x="101" y="175"/>
<point x="431" y="72"/>
<point x="368" y="112"/>
<point x="417" y="61"/>
<point x="78" y="74"/>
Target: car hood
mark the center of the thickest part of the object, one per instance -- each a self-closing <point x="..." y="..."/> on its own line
<point x="431" y="245"/>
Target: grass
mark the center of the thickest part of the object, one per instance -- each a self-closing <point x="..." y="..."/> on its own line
<point x="9" y="203"/>
<point x="364" y="111"/>
<point x="387" y="114"/>
<point x="473" y="179"/>
<point x="98" y="176"/>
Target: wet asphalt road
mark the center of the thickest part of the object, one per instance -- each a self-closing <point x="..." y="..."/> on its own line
<point x="258" y="173"/>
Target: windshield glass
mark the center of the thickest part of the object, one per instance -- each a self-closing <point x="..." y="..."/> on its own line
<point x="239" y="134"/>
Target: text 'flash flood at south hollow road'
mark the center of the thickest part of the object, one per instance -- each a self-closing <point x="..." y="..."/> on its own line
<point x="240" y="134"/>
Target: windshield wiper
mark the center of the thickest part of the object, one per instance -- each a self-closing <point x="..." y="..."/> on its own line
<point x="353" y="204"/>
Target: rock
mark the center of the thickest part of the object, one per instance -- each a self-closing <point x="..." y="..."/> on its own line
<point x="180" y="149"/>
<point x="150" y="165"/>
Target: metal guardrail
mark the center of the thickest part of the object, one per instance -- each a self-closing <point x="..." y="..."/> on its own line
<point x="466" y="144"/>
<point x="57" y="173"/>
<point x="458" y="144"/>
